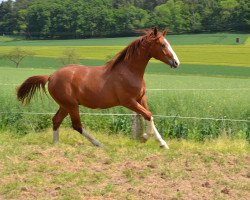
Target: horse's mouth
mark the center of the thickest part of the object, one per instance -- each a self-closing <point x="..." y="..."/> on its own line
<point x="173" y="66"/>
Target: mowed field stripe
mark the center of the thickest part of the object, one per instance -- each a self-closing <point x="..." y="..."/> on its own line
<point x="229" y="55"/>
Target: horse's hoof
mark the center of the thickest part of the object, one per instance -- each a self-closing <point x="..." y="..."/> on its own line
<point x="144" y="138"/>
<point x="100" y="145"/>
<point x="164" y="146"/>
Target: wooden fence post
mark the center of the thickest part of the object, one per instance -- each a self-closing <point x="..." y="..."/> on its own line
<point x="137" y="127"/>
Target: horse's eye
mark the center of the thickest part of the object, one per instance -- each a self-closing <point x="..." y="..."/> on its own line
<point x="163" y="46"/>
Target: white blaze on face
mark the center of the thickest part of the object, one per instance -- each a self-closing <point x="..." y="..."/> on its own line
<point x="172" y="51"/>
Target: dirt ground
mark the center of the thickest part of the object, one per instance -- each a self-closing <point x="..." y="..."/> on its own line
<point x="76" y="170"/>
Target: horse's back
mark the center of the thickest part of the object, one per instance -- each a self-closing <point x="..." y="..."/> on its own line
<point x="78" y="84"/>
<point x="71" y="73"/>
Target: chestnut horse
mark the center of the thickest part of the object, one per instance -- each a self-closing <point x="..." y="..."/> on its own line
<point x="118" y="83"/>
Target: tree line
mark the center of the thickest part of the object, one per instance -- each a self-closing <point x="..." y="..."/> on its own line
<point x="105" y="18"/>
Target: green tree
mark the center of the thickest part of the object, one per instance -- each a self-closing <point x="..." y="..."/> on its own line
<point x="94" y="18"/>
<point x="97" y="18"/>
<point x="59" y="20"/>
<point x="38" y="19"/>
<point x="170" y="15"/>
<point x="128" y="19"/>
<point x="70" y="56"/>
<point x="7" y="17"/>
<point x="150" y="5"/>
<point x="20" y="8"/>
<point x="227" y="9"/>
<point x="241" y="20"/>
<point x="17" y="55"/>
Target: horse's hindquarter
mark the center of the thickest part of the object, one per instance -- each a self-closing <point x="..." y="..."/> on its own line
<point x="60" y="86"/>
<point x="74" y="85"/>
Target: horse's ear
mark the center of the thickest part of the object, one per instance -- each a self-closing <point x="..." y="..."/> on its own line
<point x="155" y="31"/>
<point x="164" y="32"/>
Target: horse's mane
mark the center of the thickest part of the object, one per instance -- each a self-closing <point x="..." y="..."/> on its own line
<point x="131" y="50"/>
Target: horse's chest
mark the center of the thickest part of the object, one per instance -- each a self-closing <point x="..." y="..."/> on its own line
<point x="128" y="88"/>
<point x="134" y="85"/>
<point x="129" y="81"/>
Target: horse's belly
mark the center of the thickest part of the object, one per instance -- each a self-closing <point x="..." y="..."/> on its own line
<point x="98" y="101"/>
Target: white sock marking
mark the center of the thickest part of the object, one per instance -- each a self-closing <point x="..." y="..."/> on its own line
<point x="91" y="139"/>
<point x="56" y="136"/>
<point x="157" y="134"/>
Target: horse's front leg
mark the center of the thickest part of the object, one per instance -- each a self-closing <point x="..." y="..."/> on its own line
<point x="135" y="106"/>
<point x="151" y="128"/>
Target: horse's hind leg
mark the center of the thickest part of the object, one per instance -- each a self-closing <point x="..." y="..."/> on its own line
<point x="57" y="120"/>
<point x="76" y="123"/>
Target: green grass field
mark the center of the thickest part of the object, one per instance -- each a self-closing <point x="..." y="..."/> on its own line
<point x="208" y="158"/>
<point x="192" y="49"/>
<point x="214" y="97"/>
<point x="218" y="80"/>
<point x="191" y="39"/>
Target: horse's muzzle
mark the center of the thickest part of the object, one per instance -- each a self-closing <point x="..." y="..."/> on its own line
<point x="174" y="64"/>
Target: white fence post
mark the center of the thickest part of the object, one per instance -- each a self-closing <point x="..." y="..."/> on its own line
<point x="137" y="127"/>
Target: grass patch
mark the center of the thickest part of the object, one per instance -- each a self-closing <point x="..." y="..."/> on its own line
<point x="186" y="39"/>
<point x="188" y="96"/>
<point x="31" y="167"/>
<point x="76" y="169"/>
<point x="40" y="65"/>
<point x="200" y="70"/>
<point x="215" y="91"/>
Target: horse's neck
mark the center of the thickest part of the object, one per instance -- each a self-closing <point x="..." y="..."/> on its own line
<point x="138" y="63"/>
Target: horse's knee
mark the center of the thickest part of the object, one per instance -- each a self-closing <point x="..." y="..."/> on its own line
<point x="148" y="116"/>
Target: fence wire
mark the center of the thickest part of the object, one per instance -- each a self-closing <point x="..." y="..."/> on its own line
<point x="157" y="116"/>
<point x="132" y="114"/>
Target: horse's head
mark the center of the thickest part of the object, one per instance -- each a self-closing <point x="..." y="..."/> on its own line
<point x="161" y="49"/>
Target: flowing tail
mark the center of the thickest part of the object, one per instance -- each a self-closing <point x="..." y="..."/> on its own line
<point x="28" y="88"/>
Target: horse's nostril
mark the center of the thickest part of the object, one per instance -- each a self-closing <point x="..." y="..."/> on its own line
<point x="175" y="63"/>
